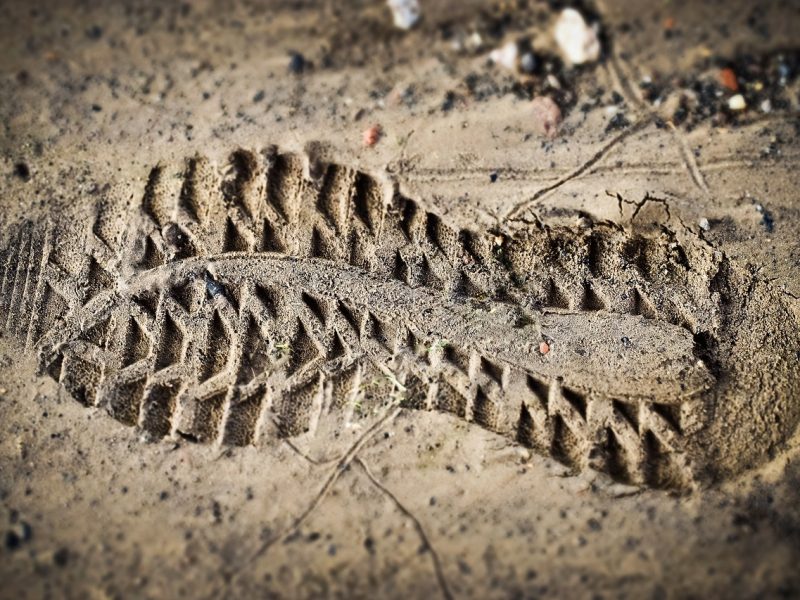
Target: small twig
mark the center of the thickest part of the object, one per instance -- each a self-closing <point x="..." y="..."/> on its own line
<point x="437" y="565"/>
<point x="333" y="476"/>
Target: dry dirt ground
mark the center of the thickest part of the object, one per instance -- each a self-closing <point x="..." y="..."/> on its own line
<point x="245" y="354"/>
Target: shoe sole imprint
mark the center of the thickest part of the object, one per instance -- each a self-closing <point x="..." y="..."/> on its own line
<point x="263" y="296"/>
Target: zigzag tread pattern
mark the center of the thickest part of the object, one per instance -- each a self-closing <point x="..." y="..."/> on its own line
<point x="231" y="325"/>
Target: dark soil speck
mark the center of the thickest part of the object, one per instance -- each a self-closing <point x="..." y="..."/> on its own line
<point x="22" y="171"/>
<point x="61" y="557"/>
<point x="297" y="63"/>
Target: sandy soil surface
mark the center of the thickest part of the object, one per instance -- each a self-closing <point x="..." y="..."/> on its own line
<point x="298" y="304"/>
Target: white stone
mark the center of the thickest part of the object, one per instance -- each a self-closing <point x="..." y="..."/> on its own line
<point x="505" y="56"/>
<point x="404" y="12"/>
<point x="475" y="41"/>
<point x="737" y="102"/>
<point x="578" y="42"/>
<point x="704" y="224"/>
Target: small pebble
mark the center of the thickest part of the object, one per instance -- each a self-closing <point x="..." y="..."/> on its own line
<point x="527" y="63"/>
<point x="704" y="224"/>
<point x="215" y="289"/>
<point x="297" y="63"/>
<point x="405" y="13"/>
<point x="474" y="41"/>
<point x="371" y="135"/>
<point x="505" y="56"/>
<point x="578" y="42"/>
<point x="737" y="102"/>
<point x="784" y="72"/>
<point x="553" y="81"/>
<point x="544" y="347"/>
<point x="728" y="79"/>
<point x="546" y="116"/>
<point x="618" y="121"/>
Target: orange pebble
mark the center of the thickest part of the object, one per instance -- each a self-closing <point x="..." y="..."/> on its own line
<point x="669" y="23"/>
<point x="728" y="78"/>
<point x="371" y="135"/>
<point x="544" y="347"/>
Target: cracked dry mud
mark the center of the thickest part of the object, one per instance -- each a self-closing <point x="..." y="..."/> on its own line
<point x="467" y="360"/>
